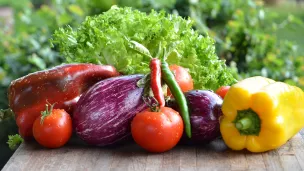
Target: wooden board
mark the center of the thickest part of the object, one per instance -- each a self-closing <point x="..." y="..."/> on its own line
<point x="215" y="156"/>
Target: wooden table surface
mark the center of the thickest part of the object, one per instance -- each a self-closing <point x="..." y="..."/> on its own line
<point x="215" y="156"/>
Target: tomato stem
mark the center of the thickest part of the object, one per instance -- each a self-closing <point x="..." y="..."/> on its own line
<point x="152" y="103"/>
<point x="47" y="111"/>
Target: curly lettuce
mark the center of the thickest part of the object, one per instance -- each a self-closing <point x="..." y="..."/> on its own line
<point x="105" y="39"/>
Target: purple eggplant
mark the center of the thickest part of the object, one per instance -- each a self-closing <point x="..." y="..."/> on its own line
<point x="104" y="113"/>
<point x="205" y="112"/>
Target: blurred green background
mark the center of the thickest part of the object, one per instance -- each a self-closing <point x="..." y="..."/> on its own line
<point x="254" y="37"/>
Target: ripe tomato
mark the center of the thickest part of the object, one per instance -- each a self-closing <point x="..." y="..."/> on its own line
<point x="55" y="130"/>
<point x="222" y="91"/>
<point x="182" y="77"/>
<point x="157" y="131"/>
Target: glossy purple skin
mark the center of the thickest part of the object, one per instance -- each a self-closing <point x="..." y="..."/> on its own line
<point x="104" y="113"/>
<point x="205" y="111"/>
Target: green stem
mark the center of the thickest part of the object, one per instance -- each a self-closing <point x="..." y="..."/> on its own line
<point x="247" y="122"/>
<point x="47" y="111"/>
<point x="152" y="103"/>
<point x="243" y="124"/>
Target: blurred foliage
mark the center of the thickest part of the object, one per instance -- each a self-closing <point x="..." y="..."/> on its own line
<point x="292" y="33"/>
<point x="245" y="36"/>
<point x="98" y="6"/>
<point x="7" y="127"/>
<point x="26" y="46"/>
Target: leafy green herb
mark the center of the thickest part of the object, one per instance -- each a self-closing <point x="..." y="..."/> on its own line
<point x="14" y="141"/>
<point x="106" y="39"/>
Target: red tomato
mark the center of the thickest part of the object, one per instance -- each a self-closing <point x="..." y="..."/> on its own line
<point x="182" y="77"/>
<point x="222" y="91"/>
<point x="157" y="131"/>
<point x="55" y="130"/>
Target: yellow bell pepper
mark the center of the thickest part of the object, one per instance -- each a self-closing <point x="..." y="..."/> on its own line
<point x="260" y="114"/>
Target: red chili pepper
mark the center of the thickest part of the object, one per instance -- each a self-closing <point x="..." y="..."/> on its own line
<point x="155" y="67"/>
<point x="61" y="85"/>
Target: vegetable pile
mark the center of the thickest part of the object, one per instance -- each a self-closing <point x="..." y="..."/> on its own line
<point x="152" y="80"/>
<point x="61" y="85"/>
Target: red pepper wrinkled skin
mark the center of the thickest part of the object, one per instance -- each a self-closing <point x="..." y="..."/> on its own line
<point x="155" y="67"/>
<point x="61" y="85"/>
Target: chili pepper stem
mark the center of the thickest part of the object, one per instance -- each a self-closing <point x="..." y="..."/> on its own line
<point x="243" y="124"/>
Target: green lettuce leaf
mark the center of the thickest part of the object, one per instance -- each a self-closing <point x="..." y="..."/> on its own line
<point x="105" y="39"/>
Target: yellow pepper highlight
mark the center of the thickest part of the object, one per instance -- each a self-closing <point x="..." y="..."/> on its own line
<point x="260" y="114"/>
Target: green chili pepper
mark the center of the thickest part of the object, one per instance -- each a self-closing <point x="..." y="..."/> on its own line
<point x="179" y="96"/>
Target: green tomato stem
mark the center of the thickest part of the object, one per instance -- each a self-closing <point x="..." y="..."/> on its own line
<point x="47" y="111"/>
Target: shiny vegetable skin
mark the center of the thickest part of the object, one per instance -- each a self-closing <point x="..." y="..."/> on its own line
<point x="176" y="91"/>
<point x="157" y="131"/>
<point x="222" y="91"/>
<point x="182" y="77"/>
<point x="205" y="112"/>
<point x="54" y="130"/>
<point x="155" y="67"/>
<point x="260" y="114"/>
<point x="61" y="85"/>
<point x="104" y="113"/>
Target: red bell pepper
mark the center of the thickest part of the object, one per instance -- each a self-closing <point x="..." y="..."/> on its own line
<point x="61" y="85"/>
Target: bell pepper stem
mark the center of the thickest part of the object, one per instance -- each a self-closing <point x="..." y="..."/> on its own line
<point x="247" y="122"/>
<point x="243" y="124"/>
